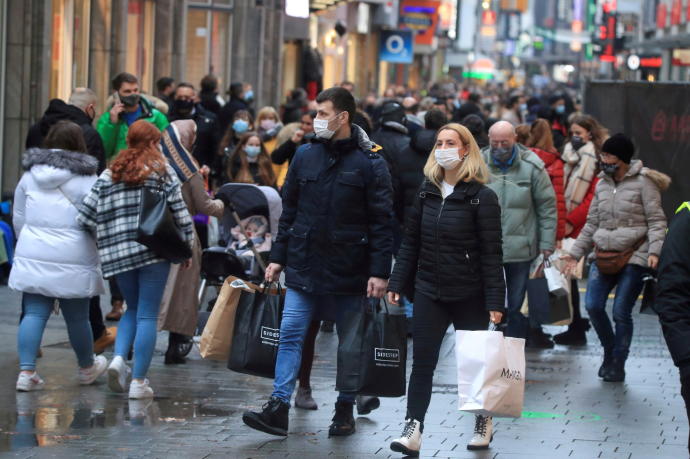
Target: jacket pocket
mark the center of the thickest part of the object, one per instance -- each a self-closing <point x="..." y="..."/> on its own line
<point x="298" y="246"/>
<point x="349" y="250"/>
<point x="351" y="179"/>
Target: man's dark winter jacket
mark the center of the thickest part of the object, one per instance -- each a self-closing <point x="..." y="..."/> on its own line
<point x="452" y="248"/>
<point x="673" y="293"/>
<point x="58" y="110"/>
<point x="206" y="147"/>
<point x="411" y="166"/>
<point x="335" y="230"/>
<point x="393" y="143"/>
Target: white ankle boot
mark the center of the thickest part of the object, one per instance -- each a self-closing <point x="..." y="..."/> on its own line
<point x="410" y="441"/>
<point x="483" y="433"/>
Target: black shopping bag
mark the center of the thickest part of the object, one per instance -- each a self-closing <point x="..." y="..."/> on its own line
<point x="257" y="332"/>
<point x="648" y="294"/>
<point x="372" y="351"/>
<point x="546" y="307"/>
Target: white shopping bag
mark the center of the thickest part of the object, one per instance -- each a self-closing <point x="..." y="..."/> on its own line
<point x="491" y="373"/>
<point x="558" y="284"/>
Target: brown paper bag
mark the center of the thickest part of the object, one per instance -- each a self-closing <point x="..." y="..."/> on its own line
<point x="216" y="338"/>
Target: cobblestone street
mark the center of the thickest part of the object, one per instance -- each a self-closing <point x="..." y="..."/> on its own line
<point x="569" y="412"/>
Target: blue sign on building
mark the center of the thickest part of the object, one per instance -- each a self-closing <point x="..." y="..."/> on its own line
<point x="396" y="46"/>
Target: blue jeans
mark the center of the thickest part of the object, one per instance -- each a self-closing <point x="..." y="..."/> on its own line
<point x="297" y="315"/>
<point x="37" y="309"/>
<point x="517" y="275"/>
<point x="142" y="289"/>
<point x="628" y="285"/>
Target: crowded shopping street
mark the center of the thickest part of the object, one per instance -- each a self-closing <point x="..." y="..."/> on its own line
<point x="345" y="228"/>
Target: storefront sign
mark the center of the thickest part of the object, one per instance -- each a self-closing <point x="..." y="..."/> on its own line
<point x="396" y="46"/>
<point x="420" y="16"/>
<point x="681" y="57"/>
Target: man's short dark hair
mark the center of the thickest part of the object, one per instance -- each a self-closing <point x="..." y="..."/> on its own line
<point x="209" y="83"/>
<point x="474" y="97"/>
<point x="342" y="101"/>
<point x="163" y="83"/>
<point x="185" y="85"/>
<point x="123" y="77"/>
<point x="435" y="119"/>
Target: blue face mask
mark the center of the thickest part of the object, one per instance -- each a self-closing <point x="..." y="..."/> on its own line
<point x="560" y="109"/>
<point x="240" y="126"/>
<point x="249" y="95"/>
<point x="523" y="107"/>
<point x="252" y="150"/>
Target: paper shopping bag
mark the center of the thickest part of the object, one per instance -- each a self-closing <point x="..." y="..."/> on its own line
<point x="491" y="373"/>
<point x="216" y="339"/>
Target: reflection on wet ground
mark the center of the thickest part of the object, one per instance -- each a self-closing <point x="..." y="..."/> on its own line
<point x="50" y="418"/>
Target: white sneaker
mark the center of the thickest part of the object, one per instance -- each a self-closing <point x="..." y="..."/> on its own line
<point x="28" y="382"/>
<point x="139" y="390"/>
<point x="87" y="376"/>
<point x="139" y="408"/>
<point x="118" y="372"/>
<point x="411" y="440"/>
<point x="483" y="433"/>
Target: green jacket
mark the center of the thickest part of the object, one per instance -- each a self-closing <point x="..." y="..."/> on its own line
<point x="115" y="135"/>
<point x="528" y="205"/>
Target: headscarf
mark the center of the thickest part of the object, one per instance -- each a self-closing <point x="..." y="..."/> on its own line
<point x="176" y="143"/>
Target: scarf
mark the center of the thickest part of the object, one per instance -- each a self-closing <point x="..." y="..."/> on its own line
<point x="580" y="167"/>
<point x="176" y="142"/>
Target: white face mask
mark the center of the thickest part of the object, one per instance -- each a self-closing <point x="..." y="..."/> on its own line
<point x="448" y="158"/>
<point x="321" y="128"/>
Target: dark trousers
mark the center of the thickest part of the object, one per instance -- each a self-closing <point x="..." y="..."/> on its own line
<point x="308" y="354"/>
<point x="685" y="392"/>
<point x="115" y="293"/>
<point x="431" y="320"/>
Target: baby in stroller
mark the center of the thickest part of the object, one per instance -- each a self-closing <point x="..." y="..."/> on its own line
<point x="252" y="231"/>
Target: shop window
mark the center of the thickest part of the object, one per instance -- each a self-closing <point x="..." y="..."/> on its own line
<point x="140" y="37"/>
<point x="70" y="50"/>
<point x="208" y="45"/>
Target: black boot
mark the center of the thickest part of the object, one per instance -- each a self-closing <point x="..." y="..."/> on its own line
<point x="366" y="404"/>
<point x="273" y="419"/>
<point x="343" y="421"/>
<point x="172" y="355"/>
<point x="606" y="364"/>
<point x="616" y="372"/>
<point x="537" y="339"/>
<point x="576" y="334"/>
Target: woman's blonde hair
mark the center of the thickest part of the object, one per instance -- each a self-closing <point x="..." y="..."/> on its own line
<point x="473" y="168"/>
<point x="267" y="113"/>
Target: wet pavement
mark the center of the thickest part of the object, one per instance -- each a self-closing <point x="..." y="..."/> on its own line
<point x="569" y="412"/>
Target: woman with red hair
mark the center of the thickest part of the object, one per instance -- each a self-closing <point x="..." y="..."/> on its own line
<point x="111" y="212"/>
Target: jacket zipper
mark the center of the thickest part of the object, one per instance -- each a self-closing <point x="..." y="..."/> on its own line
<point x="469" y="260"/>
<point x="438" y="242"/>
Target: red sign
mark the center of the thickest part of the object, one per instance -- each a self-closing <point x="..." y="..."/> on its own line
<point x="422" y="17"/>
<point x="650" y="62"/>
<point x="661" y="16"/>
<point x="675" y="12"/>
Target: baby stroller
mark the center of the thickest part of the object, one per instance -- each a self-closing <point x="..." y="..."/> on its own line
<point x="247" y="229"/>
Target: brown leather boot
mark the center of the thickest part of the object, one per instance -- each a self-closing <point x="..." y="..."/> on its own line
<point x="116" y="312"/>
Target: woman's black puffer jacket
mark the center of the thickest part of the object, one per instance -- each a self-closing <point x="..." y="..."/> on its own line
<point x="452" y="248"/>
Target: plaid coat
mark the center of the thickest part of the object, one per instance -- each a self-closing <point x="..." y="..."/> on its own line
<point x="111" y="212"/>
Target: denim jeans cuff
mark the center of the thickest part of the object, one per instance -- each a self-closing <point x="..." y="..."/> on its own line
<point x="347" y="397"/>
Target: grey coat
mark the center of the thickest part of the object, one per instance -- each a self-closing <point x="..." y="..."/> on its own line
<point x="623" y="213"/>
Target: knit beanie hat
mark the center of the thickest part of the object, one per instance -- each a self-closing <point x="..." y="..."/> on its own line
<point x="621" y="146"/>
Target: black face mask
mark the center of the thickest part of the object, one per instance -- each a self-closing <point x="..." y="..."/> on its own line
<point x="577" y="142"/>
<point x="609" y="169"/>
<point x="183" y="106"/>
<point x="131" y="100"/>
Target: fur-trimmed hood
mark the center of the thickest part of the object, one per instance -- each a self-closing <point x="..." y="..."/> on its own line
<point x="76" y="163"/>
<point x="661" y="180"/>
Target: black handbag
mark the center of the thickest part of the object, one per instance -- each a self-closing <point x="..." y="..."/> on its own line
<point x="649" y="294"/>
<point x="157" y="229"/>
<point x="372" y="351"/>
<point x="257" y="332"/>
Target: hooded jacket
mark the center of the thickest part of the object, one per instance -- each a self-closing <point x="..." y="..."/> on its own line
<point x="528" y="205"/>
<point x="623" y="213"/>
<point x="55" y="257"/>
<point x="115" y="135"/>
<point x="58" y="110"/>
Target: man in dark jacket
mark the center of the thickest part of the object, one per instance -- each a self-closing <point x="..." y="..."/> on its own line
<point x="393" y="137"/>
<point x="184" y="108"/>
<point x="673" y="296"/>
<point x="471" y="107"/>
<point x="334" y="242"/>
<point x="80" y="109"/>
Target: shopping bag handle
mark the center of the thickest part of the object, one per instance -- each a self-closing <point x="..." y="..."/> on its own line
<point x="266" y="287"/>
<point x="492" y="326"/>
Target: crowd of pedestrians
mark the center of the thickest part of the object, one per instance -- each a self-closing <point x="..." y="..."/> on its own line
<point x="441" y="200"/>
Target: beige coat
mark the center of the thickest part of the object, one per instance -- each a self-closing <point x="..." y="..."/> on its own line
<point x="623" y="213"/>
<point x="180" y="303"/>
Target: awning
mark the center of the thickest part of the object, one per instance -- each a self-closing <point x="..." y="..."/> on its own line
<point x="675" y="41"/>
